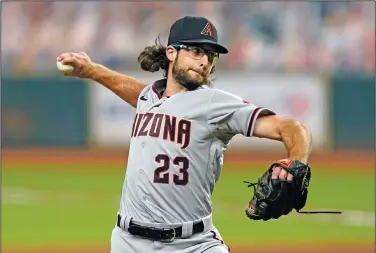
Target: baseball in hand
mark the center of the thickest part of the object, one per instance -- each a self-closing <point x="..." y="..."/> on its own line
<point x="64" y="67"/>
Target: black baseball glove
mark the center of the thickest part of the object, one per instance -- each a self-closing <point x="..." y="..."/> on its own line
<point x="274" y="197"/>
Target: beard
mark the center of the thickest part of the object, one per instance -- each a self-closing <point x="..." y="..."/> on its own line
<point x="182" y="77"/>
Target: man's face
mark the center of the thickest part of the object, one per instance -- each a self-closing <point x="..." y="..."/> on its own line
<point x="192" y="67"/>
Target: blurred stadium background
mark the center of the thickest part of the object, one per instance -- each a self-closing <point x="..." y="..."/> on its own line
<point x="65" y="140"/>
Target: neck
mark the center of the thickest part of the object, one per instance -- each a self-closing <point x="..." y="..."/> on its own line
<point x="172" y="87"/>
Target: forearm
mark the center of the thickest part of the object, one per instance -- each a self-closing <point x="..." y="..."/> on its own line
<point x="297" y="140"/>
<point x="125" y="87"/>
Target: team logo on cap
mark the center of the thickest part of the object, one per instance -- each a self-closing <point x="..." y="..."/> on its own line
<point x="208" y="30"/>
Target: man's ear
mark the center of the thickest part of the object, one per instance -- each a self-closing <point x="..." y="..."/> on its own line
<point x="171" y="53"/>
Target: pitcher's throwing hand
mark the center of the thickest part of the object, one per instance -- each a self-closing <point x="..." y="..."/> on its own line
<point x="81" y="62"/>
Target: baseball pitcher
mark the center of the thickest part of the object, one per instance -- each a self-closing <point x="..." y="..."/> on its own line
<point x="180" y="132"/>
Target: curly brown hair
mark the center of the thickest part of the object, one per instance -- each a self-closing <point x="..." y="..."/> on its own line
<point x="153" y="58"/>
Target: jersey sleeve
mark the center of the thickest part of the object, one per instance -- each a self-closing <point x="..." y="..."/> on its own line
<point x="146" y="94"/>
<point x="229" y="115"/>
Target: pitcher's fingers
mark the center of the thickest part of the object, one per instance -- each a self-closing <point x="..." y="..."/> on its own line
<point x="79" y="68"/>
<point x="283" y="174"/>
<point x="276" y="172"/>
<point x="64" y="55"/>
<point x="77" y="55"/>
<point x="289" y="177"/>
<point x="70" y="59"/>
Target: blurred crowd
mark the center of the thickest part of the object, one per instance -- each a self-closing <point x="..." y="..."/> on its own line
<point x="261" y="36"/>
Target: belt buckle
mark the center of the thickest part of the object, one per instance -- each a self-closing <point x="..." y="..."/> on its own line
<point x="173" y="235"/>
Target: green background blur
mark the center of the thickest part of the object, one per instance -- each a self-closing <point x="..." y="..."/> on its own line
<point x="76" y="205"/>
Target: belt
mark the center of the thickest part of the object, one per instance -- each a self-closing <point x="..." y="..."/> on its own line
<point x="160" y="234"/>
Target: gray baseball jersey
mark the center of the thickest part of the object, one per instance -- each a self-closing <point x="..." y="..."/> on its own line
<point x="176" y="151"/>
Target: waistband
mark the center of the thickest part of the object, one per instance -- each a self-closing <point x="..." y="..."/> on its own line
<point x="186" y="227"/>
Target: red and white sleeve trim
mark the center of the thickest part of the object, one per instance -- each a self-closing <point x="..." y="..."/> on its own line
<point x="252" y="120"/>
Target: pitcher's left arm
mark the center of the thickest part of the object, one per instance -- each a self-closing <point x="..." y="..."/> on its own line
<point x="285" y="183"/>
<point x="295" y="135"/>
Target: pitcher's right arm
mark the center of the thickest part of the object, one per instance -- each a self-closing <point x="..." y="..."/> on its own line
<point x="126" y="87"/>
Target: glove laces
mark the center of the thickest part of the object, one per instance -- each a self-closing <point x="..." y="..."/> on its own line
<point x="252" y="184"/>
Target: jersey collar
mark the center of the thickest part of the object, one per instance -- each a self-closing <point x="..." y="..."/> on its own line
<point x="159" y="87"/>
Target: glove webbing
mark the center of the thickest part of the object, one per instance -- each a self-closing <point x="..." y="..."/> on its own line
<point x="298" y="211"/>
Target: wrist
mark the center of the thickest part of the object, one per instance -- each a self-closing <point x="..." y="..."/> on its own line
<point x="288" y="161"/>
<point x="94" y="72"/>
<point x="301" y="159"/>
